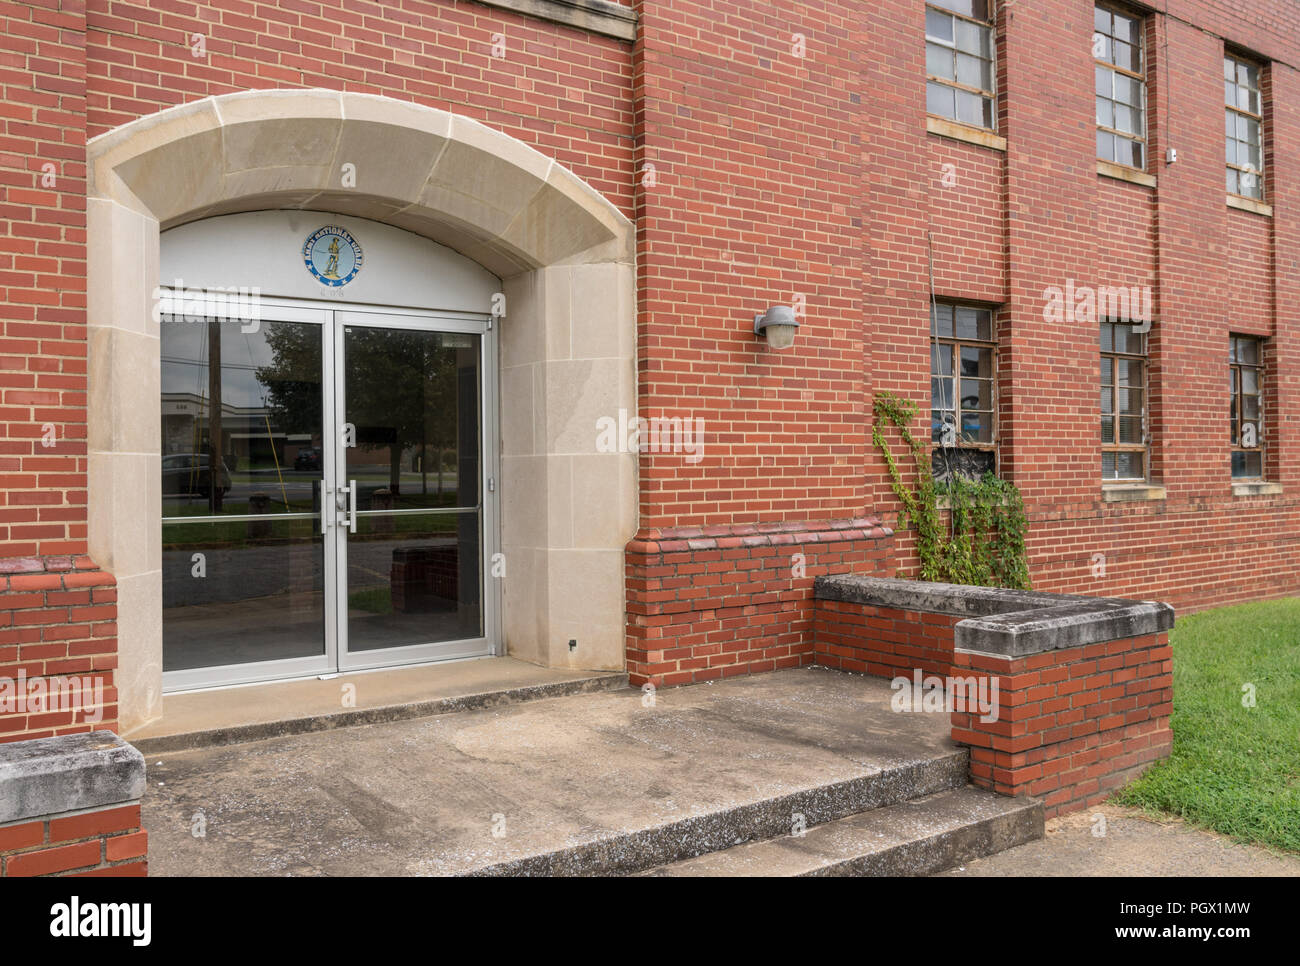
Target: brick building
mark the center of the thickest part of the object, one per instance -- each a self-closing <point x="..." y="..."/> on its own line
<point x="572" y="212"/>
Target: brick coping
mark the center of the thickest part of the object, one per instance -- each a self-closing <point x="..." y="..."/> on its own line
<point x="1007" y="623"/>
<point x="47" y="564"/>
<point x="779" y="533"/>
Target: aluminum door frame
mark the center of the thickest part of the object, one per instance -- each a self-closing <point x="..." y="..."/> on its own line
<point x="484" y="645"/>
<point x="333" y="316"/>
<point x="221" y="675"/>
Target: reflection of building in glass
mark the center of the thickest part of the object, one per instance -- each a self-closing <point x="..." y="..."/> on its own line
<point x="250" y="438"/>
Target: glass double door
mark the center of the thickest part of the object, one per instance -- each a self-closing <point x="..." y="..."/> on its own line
<point x="323" y="483"/>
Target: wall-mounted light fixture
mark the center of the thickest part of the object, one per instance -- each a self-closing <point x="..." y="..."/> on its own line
<point x="778" y="325"/>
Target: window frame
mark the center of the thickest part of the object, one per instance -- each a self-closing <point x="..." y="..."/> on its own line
<point x="954" y="345"/>
<point x="1115" y="446"/>
<point x="1141" y="78"/>
<point x="992" y="93"/>
<point x="1235" y="417"/>
<point x="1235" y="58"/>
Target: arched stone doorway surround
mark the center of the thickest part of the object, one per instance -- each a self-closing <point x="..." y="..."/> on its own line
<point x="568" y="339"/>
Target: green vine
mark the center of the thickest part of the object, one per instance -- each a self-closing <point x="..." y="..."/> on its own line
<point x="985" y="542"/>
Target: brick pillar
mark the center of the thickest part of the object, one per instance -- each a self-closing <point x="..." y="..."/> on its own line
<point x="57" y="609"/>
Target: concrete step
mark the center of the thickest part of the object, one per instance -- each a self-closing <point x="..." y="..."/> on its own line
<point x="916" y="837"/>
<point x="712" y="832"/>
<point x="235" y="715"/>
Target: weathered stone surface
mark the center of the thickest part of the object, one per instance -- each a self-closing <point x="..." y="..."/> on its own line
<point x="598" y="16"/>
<point x="1011" y="623"/>
<point x="49" y="776"/>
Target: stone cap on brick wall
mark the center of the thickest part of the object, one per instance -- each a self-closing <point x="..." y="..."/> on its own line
<point x="49" y="776"/>
<point x="779" y="533"/>
<point x="1008" y="623"/>
<point x="599" y="16"/>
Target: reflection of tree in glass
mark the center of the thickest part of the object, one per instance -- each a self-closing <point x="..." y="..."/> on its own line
<point x="401" y="389"/>
<point x="292" y="380"/>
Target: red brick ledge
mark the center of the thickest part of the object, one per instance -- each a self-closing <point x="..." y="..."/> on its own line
<point x="780" y="533"/>
<point x="53" y="573"/>
<point x="49" y="564"/>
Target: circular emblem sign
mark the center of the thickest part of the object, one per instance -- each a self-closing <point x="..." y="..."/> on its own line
<point x="332" y="255"/>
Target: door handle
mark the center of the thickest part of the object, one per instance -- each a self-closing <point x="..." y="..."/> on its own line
<point x="324" y="517"/>
<point x="352" y="506"/>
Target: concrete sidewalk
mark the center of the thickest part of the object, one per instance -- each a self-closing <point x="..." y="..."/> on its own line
<point x="1133" y="845"/>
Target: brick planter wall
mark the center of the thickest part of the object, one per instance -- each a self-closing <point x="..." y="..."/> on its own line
<point x="713" y="602"/>
<point x="881" y="641"/>
<point x="1075" y="724"/>
<point x="71" y="806"/>
<point x="1084" y="685"/>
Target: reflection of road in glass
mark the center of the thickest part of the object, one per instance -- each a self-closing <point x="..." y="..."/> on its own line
<point x="267" y="603"/>
<point x="252" y="572"/>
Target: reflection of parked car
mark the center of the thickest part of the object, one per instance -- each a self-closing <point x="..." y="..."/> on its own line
<point x="187" y="473"/>
<point x="307" y="459"/>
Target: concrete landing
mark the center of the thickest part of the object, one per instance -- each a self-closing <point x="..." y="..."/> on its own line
<point x="224" y="716"/>
<point x="590" y="783"/>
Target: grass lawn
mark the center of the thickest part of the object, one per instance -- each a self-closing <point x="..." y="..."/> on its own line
<point x="376" y="600"/>
<point x="1234" y="769"/>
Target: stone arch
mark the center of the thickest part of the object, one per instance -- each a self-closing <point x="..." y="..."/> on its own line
<point x="566" y="257"/>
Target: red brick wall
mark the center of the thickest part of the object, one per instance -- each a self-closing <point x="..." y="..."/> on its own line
<point x="965" y="219"/>
<point x="57" y="619"/>
<point x="881" y="641"/>
<point x="757" y="163"/>
<point x="563" y="91"/>
<point x="98" y="842"/>
<point x="42" y="280"/>
<point x="1038" y="215"/>
<point x="57" y="610"/>
<point x="759" y="176"/>
<point x="1073" y="725"/>
<point x="72" y="70"/>
<point x="713" y="602"/>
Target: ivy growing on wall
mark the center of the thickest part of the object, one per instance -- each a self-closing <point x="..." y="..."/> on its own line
<point x="983" y="541"/>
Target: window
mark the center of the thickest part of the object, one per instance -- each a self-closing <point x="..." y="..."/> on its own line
<point x="962" y="391"/>
<point x="1244" y="127"/>
<point x="959" y="61"/>
<point x="1123" y="402"/>
<point x="1121" y="87"/>
<point x="1246" y="392"/>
